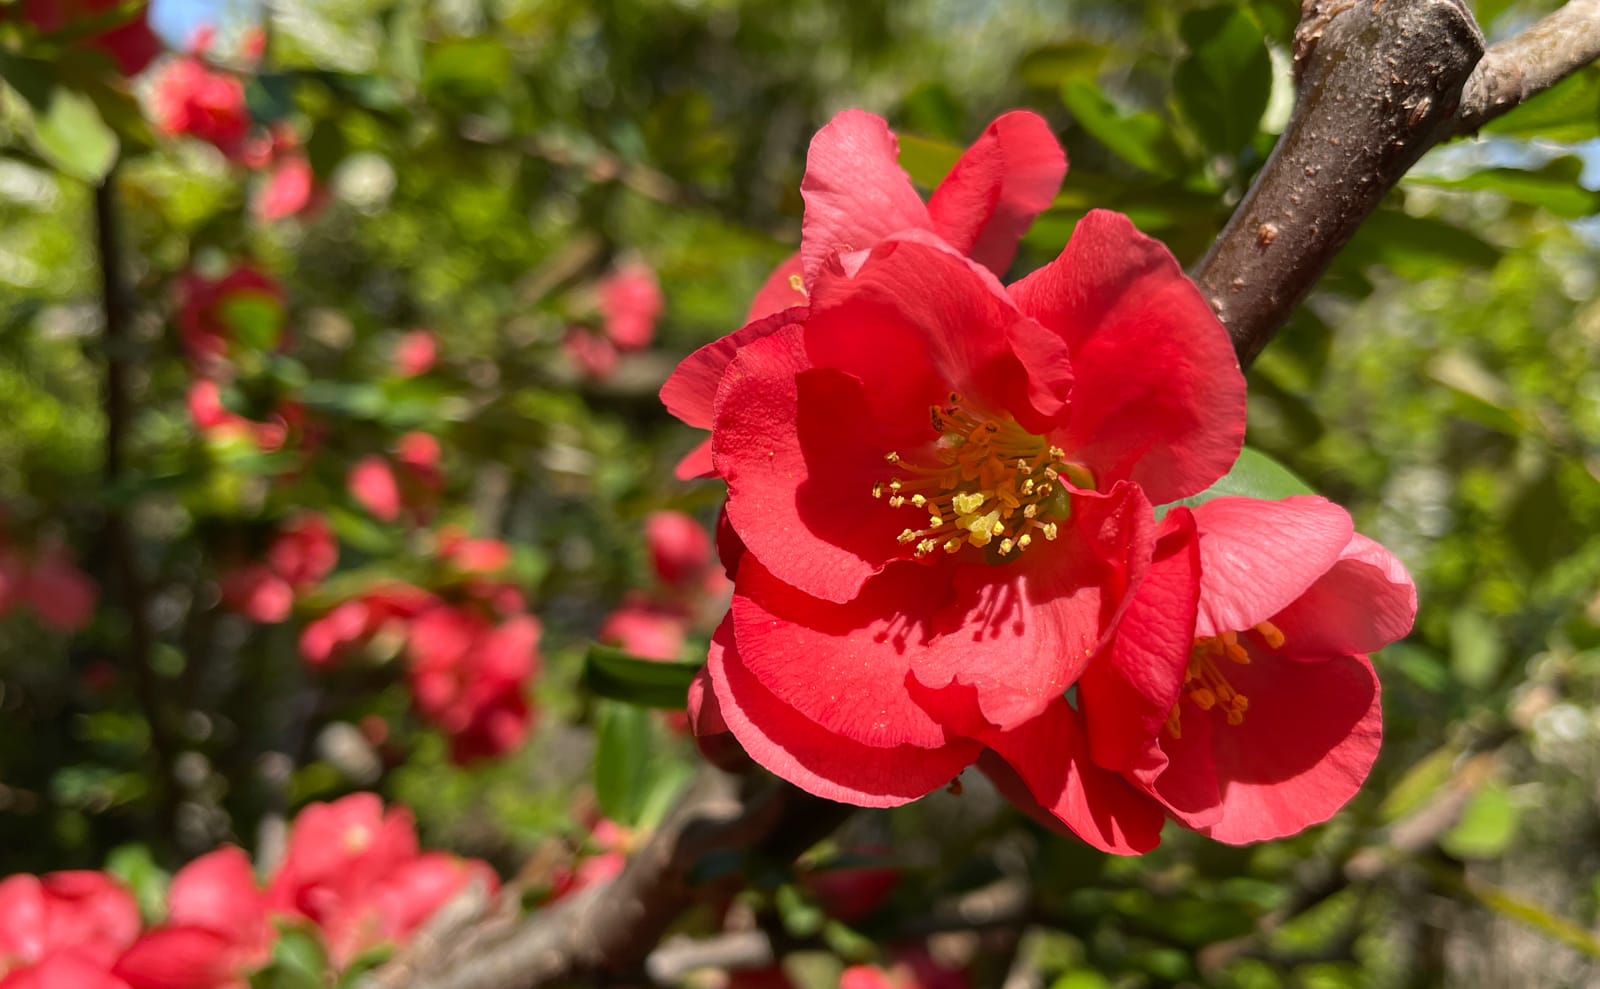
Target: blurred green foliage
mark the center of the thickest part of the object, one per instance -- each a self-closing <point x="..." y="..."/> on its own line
<point x="487" y="162"/>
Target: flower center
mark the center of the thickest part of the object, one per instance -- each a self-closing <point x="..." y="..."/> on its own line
<point x="1206" y="685"/>
<point x="990" y="484"/>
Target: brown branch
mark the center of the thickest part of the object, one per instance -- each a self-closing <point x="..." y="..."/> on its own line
<point x="119" y="543"/>
<point x="1379" y="83"/>
<point x="1533" y="61"/>
<point x="606" y="932"/>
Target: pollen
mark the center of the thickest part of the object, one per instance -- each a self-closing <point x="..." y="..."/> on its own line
<point x="983" y="481"/>
<point x="1205" y="684"/>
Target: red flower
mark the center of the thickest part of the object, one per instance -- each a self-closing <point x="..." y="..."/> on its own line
<point x="853" y="892"/>
<point x="189" y="98"/>
<point x="943" y="517"/>
<point x="371" y="482"/>
<point x="255" y="591"/>
<point x="1237" y="696"/>
<point x="856" y="195"/>
<point x="216" y="932"/>
<point x="304" y="551"/>
<point x="646" y="628"/>
<point x="289" y="188"/>
<point x="355" y="871"/>
<point x="415" y="353"/>
<point x="383" y="611"/>
<point x="469" y="678"/>
<point x="243" y="307"/>
<point x="630" y="302"/>
<point x="594" y="356"/>
<point x="131" y="43"/>
<point x="221" y="425"/>
<point x="680" y="550"/>
<point x="61" y="595"/>
<point x="63" y="922"/>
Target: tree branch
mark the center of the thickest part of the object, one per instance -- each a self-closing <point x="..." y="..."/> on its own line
<point x="606" y="932"/>
<point x="1380" y="83"/>
<point x="1528" y="64"/>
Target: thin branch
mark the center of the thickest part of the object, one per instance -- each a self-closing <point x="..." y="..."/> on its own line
<point x="120" y="546"/>
<point x="1530" y="63"/>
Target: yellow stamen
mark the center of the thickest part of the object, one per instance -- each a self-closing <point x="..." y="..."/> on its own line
<point x="1204" y="683"/>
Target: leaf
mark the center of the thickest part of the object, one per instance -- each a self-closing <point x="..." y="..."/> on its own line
<point x="1487" y="825"/>
<point x="1568" y="112"/>
<point x="1254" y="475"/>
<point x="1477" y="652"/>
<point x="1052" y="66"/>
<point x="299" y="961"/>
<point x="1222" y="85"/>
<point x="635" y="775"/>
<point x="67" y="129"/>
<point x="612" y="673"/>
<point x="136" y="868"/>
<point x="1139" y="138"/>
<point x="1555" y="186"/>
<point x="927" y="161"/>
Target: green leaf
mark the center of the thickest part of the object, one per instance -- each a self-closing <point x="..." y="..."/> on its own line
<point x="1051" y="66"/>
<point x="1222" y="85"/>
<point x="635" y="773"/>
<point x="1554" y="187"/>
<point x="67" y="129"/>
<point x="137" y="870"/>
<point x="927" y="161"/>
<point x="1569" y="112"/>
<point x="1487" y="825"/>
<point x="299" y="961"/>
<point x="1139" y="138"/>
<point x="1477" y="651"/>
<point x="1254" y="475"/>
<point x="255" y="319"/>
<point x="620" y="676"/>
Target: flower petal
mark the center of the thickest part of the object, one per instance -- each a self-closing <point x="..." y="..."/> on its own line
<point x="1045" y="761"/>
<point x="993" y="192"/>
<point x="1257" y="556"/>
<point x="1363" y="603"/>
<point x="1304" y="749"/>
<point x="813" y="758"/>
<point x="1020" y="633"/>
<point x="855" y="192"/>
<point x="801" y="451"/>
<point x="690" y="392"/>
<point x="1158" y="397"/>
<point x="778" y="292"/>
<point x="1128" y="692"/>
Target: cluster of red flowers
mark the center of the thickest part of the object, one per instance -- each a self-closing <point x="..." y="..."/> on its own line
<point x="470" y="647"/>
<point x="407" y="481"/>
<point x="130" y="43"/>
<point x="301" y="554"/>
<point x="190" y="97"/>
<point x="629" y="302"/>
<point x="654" y="623"/>
<point x="353" y="874"/>
<point x="943" y="534"/>
<point x="47" y="582"/>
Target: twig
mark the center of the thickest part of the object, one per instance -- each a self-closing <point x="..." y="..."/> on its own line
<point x="1533" y="61"/>
<point x="119" y="542"/>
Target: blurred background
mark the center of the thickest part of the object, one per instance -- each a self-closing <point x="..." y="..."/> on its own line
<point x="415" y="271"/>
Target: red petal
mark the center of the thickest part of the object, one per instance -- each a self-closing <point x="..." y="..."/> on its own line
<point x="182" y="957"/>
<point x="991" y="195"/>
<point x="855" y="192"/>
<point x="1363" y="603"/>
<point x="1128" y="692"/>
<point x="1019" y="634"/>
<point x="1050" y="759"/>
<point x="690" y="391"/>
<point x="696" y="463"/>
<point x="218" y="892"/>
<point x="801" y="452"/>
<point x="1304" y="749"/>
<point x="1256" y="556"/>
<point x="842" y="666"/>
<point x="917" y="321"/>
<point x="816" y="760"/>
<point x="1181" y="772"/>
<point x="1159" y="398"/>
<point x="778" y="292"/>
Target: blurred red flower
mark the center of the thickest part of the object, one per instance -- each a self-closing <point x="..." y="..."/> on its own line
<point x="243" y="307"/>
<point x="630" y="303"/>
<point x="190" y="98"/>
<point x="416" y="353"/>
<point x="131" y="43"/>
<point x="217" y="929"/>
<point x="63" y="924"/>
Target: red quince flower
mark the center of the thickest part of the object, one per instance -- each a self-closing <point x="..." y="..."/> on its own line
<point x="245" y="306"/>
<point x="371" y="482"/>
<point x="63" y="923"/>
<point x="646" y="628"/>
<point x="189" y="98"/>
<point x="942" y="517"/>
<point x="131" y="43"/>
<point x="258" y="593"/>
<point x="680" y="549"/>
<point x="288" y="189"/>
<point x="382" y="612"/>
<point x="1237" y="696"/>
<point x="630" y="302"/>
<point x="469" y="677"/>
<point x="415" y="353"/>
<point x="856" y="195"/>
<point x="853" y="892"/>
<point x="217" y="929"/>
<point x="594" y="356"/>
<point x="61" y="595"/>
<point x="304" y="551"/>
<point x="355" y="871"/>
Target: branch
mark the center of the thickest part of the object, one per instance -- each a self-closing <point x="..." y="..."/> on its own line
<point x="1380" y="83"/>
<point x="1533" y="61"/>
<point x="606" y="932"/>
<point x="119" y="544"/>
